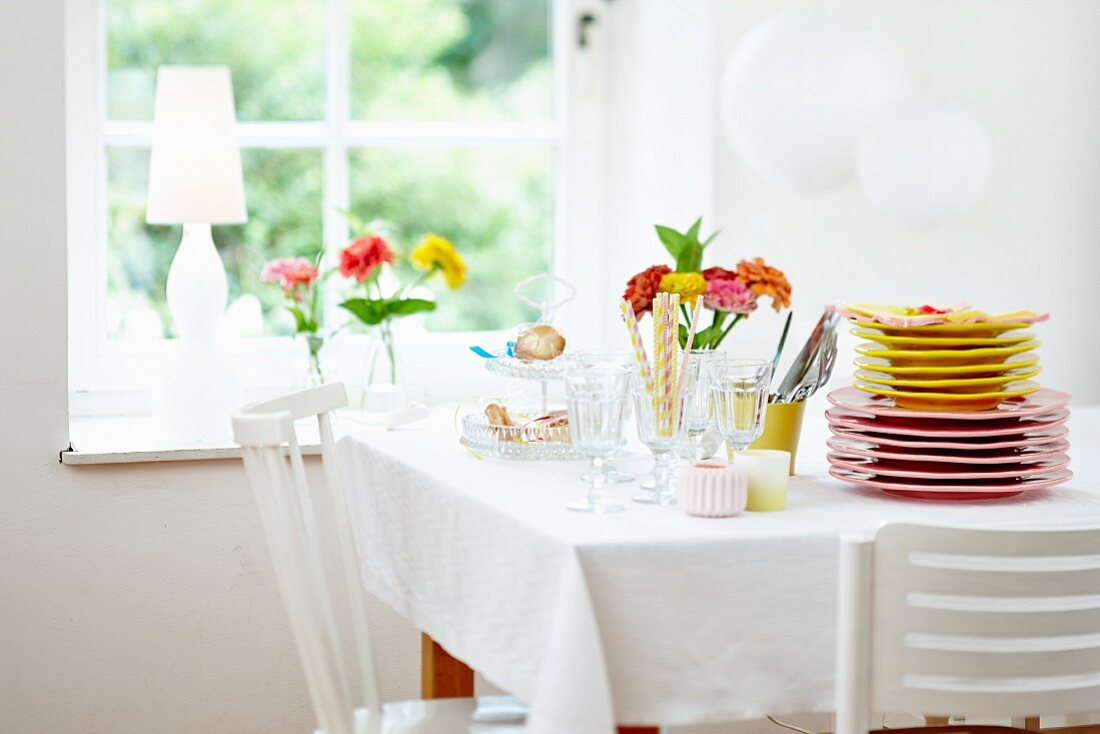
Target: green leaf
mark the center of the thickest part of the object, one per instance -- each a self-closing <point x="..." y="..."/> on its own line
<point x="671" y="239"/>
<point x="710" y="239"/>
<point x="683" y="334"/>
<point x="301" y="323"/>
<point x="782" y="341"/>
<point x="370" y="311"/>
<point x="690" y="259"/>
<point x="409" y="306"/>
<point x="692" y="235"/>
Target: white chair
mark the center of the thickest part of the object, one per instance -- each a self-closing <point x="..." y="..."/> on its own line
<point x="273" y="462"/>
<point x="983" y="623"/>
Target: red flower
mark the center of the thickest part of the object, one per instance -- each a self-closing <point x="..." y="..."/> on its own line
<point x="641" y="289"/>
<point x="719" y="274"/>
<point x="302" y="273"/>
<point x="359" y="259"/>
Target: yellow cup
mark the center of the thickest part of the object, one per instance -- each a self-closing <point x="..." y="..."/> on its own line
<point x="782" y="429"/>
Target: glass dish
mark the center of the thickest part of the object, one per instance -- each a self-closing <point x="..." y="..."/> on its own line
<point x="504" y="366"/>
<point x="525" y="443"/>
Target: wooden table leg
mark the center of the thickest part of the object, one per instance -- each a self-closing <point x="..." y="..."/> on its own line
<point x="442" y="676"/>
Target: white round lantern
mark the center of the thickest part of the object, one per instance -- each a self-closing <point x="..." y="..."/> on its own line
<point x="797" y="94"/>
<point x="922" y="163"/>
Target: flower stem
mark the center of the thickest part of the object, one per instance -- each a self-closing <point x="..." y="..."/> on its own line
<point x="409" y="288"/>
<point x="733" y="323"/>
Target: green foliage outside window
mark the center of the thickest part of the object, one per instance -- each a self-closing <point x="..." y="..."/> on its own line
<point x="409" y="60"/>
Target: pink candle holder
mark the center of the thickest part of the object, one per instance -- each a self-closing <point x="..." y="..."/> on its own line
<point x="710" y="489"/>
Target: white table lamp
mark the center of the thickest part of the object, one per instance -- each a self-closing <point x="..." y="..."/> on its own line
<point x="195" y="180"/>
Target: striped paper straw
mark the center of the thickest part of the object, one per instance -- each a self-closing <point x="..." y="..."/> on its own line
<point x="660" y="354"/>
<point x="672" y="345"/>
<point x="639" y="346"/>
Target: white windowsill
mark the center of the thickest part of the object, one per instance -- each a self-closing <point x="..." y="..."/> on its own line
<point x="134" y="440"/>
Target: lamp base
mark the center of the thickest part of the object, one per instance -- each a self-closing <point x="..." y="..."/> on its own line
<point x="193" y="403"/>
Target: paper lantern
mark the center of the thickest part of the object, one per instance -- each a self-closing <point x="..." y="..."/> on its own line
<point x="923" y="163"/>
<point x="797" y="94"/>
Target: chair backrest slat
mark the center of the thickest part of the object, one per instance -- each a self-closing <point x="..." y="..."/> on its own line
<point x="984" y="622"/>
<point x="276" y="471"/>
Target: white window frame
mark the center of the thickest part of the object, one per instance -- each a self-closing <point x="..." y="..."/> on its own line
<point x="101" y="370"/>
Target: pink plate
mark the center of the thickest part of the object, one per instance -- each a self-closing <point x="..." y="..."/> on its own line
<point x="979" y="444"/>
<point x="942" y="430"/>
<point x="949" y="491"/>
<point x="845" y="414"/>
<point x="991" y="457"/>
<point x="1043" y="401"/>
<point x="942" y="471"/>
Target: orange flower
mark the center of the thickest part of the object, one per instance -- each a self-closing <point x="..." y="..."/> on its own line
<point x="764" y="280"/>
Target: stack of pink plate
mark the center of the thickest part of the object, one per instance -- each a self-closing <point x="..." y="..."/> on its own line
<point x="1019" y="446"/>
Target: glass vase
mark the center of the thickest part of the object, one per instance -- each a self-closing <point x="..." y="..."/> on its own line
<point x="314" y="374"/>
<point x="383" y="390"/>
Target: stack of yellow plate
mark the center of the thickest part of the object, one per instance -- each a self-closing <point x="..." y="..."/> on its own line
<point x="944" y="359"/>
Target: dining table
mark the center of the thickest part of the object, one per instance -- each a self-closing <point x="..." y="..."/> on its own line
<point x="635" y="619"/>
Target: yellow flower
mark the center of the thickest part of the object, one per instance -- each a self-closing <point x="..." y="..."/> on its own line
<point x="689" y="285"/>
<point x="437" y="253"/>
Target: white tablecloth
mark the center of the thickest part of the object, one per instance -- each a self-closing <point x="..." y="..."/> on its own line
<point x="646" y="616"/>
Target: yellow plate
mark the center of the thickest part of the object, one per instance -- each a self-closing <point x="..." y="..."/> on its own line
<point x="925" y="357"/>
<point x="956" y="385"/>
<point x="988" y="328"/>
<point x="950" y="401"/>
<point x="946" y="371"/>
<point x="932" y="342"/>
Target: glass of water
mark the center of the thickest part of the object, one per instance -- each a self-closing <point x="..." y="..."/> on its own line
<point x="617" y="358"/>
<point x="739" y="389"/>
<point x="596" y="398"/>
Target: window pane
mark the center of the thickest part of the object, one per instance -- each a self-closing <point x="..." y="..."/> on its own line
<point x="450" y="59"/>
<point x="275" y="49"/>
<point x="493" y="203"/>
<point x="283" y="190"/>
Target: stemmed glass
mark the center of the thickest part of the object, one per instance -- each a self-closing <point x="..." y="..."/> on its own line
<point x="616" y="358"/>
<point x="661" y="428"/>
<point x="596" y="399"/>
<point x="739" y="388"/>
<point x="701" y="416"/>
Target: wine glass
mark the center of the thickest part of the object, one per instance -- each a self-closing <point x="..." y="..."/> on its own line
<point x="739" y="388"/>
<point x="701" y="416"/>
<point x="614" y="357"/>
<point x="661" y="427"/>
<point x="596" y="398"/>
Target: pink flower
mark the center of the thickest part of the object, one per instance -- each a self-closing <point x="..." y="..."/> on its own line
<point x="359" y="259"/>
<point x="729" y="295"/>
<point x="290" y="272"/>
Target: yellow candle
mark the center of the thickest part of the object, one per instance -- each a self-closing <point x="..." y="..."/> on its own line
<point x="769" y="476"/>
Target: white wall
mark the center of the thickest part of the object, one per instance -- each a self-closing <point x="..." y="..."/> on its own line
<point x="1030" y="69"/>
<point x="132" y="599"/>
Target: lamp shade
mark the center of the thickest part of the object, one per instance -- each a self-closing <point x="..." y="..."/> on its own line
<point x="195" y="165"/>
